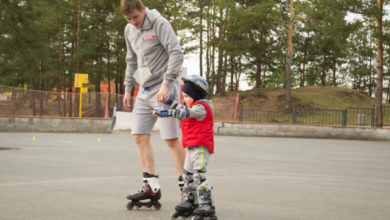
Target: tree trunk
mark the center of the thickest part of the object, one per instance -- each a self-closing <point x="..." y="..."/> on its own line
<point x="379" y="67"/>
<point x="258" y="72"/>
<point x="323" y="75"/>
<point x="238" y="75"/>
<point x="61" y="72"/>
<point x="108" y="62"/>
<point x="213" y="50"/>
<point x="371" y="82"/>
<point x="232" y="72"/>
<point x="289" y="56"/>
<point x="302" y="78"/>
<point x="98" y="110"/>
<point x="223" y="83"/>
<point x="334" y="72"/>
<point x="78" y="37"/>
<point x="40" y="89"/>
<point x="201" y="40"/>
<point x="220" y="70"/>
<point x="303" y="70"/>
<point x="208" y="49"/>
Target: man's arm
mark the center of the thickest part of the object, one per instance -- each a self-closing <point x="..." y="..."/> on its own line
<point x="169" y="41"/>
<point x="131" y="67"/>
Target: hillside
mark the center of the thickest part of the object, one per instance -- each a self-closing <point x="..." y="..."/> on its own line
<point x="303" y="99"/>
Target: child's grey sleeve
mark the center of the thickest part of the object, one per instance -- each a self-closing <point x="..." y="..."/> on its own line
<point x="198" y="112"/>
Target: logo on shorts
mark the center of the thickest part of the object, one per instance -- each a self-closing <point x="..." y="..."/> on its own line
<point x="149" y="38"/>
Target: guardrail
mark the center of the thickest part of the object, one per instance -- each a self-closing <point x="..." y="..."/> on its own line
<point x="351" y="116"/>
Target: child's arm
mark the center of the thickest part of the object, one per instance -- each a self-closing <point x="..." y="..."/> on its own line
<point x="181" y="113"/>
<point x="197" y="111"/>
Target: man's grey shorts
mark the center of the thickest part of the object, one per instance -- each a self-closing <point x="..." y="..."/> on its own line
<point x="142" y="118"/>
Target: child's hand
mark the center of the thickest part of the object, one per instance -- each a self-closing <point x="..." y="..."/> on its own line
<point x="154" y="113"/>
<point x="180" y="114"/>
<point x="162" y="113"/>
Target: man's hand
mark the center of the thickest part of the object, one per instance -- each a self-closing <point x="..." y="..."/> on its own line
<point x="127" y="101"/>
<point x="162" y="94"/>
<point x="172" y="104"/>
<point x="163" y="113"/>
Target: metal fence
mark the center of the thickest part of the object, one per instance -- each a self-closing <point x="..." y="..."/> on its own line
<point x="352" y="117"/>
<point x="22" y="102"/>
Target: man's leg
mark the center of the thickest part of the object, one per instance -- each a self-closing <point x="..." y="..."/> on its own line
<point x="178" y="154"/>
<point x="145" y="152"/>
<point x="151" y="186"/>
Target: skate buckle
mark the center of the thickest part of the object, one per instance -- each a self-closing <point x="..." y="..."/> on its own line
<point x="149" y="191"/>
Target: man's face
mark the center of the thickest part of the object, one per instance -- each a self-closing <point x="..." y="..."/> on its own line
<point x="136" y="17"/>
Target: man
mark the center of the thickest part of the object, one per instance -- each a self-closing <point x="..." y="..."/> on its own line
<point x="154" y="59"/>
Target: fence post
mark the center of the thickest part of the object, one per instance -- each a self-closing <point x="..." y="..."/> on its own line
<point x="294" y="115"/>
<point x="345" y="114"/>
<point x="236" y="106"/>
<point x="373" y="116"/>
<point x="107" y="106"/>
<point x="240" y="114"/>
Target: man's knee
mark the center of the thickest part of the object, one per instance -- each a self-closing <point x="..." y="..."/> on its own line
<point x="173" y="142"/>
<point x="141" y="139"/>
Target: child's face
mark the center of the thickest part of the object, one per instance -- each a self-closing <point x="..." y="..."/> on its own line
<point x="187" y="99"/>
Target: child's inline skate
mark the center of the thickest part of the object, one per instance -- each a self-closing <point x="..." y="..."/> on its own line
<point x="206" y="209"/>
<point x="187" y="206"/>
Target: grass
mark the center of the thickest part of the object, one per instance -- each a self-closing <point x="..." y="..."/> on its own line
<point x="317" y="106"/>
<point x="333" y="97"/>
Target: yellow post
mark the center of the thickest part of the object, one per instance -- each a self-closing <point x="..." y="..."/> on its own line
<point x="79" y="80"/>
<point x="81" y="100"/>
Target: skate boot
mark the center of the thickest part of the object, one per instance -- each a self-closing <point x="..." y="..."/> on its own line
<point x="187" y="206"/>
<point x="206" y="209"/>
<point x="188" y="197"/>
<point x="150" y="192"/>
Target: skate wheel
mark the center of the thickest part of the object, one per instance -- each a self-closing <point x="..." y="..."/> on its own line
<point x="174" y="216"/>
<point x="130" y="206"/>
<point x="157" y="206"/>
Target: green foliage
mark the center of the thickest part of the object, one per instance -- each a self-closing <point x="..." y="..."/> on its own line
<point x="39" y="41"/>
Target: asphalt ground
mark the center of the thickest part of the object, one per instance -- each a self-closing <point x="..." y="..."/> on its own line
<point x="88" y="176"/>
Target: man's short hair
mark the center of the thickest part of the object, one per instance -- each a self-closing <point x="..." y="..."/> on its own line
<point x="128" y="6"/>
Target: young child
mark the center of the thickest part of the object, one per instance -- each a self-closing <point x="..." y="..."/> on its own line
<point x="198" y="139"/>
